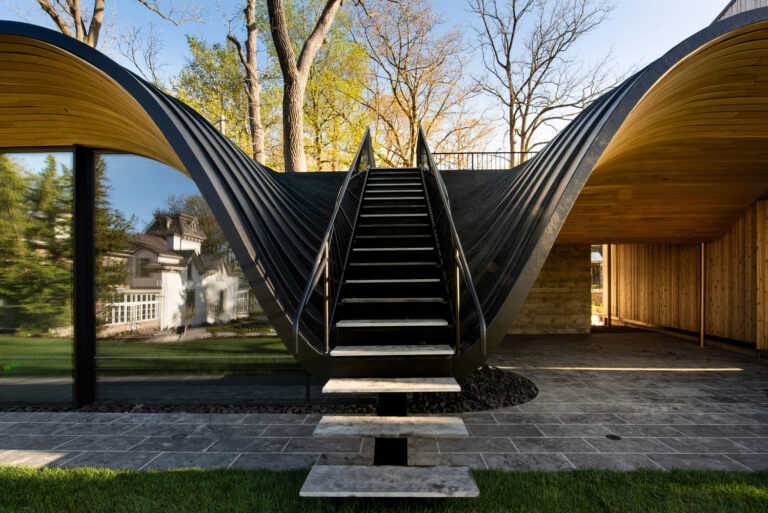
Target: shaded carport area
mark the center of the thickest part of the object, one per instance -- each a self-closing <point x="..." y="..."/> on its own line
<point x="626" y="398"/>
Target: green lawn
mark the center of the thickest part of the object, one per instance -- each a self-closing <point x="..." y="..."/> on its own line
<point x="24" y="489"/>
<point x="52" y="357"/>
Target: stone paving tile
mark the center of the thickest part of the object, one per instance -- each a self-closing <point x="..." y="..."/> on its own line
<point x="151" y="418"/>
<point x="478" y="418"/>
<point x="31" y="428"/>
<point x="496" y="430"/>
<point x="226" y="431"/>
<point x="549" y="408"/>
<point x="113" y="460"/>
<point x="546" y="445"/>
<point x="754" y="418"/>
<point x="116" y="429"/>
<point x="724" y="430"/>
<point x="740" y="408"/>
<point x="289" y="430"/>
<point x="175" y="460"/>
<point x="654" y="418"/>
<point x="697" y="461"/>
<point x="591" y="418"/>
<point x="32" y="417"/>
<point x="626" y="445"/>
<point x="248" y="445"/>
<point x="345" y="458"/>
<point x="754" y="444"/>
<point x="753" y="461"/>
<point x="33" y="442"/>
<point x="528" y="461"/>
<point x="700" y="445"/>
<point x="475" y="445"/>
<point x="313" y="418"/>
<point x="212" y="418"/>
<point x="717" y="418"/>
<point x="755" y="429"/>
<point x="274" y="461"/>
<point x="36" y="458"/>
<point x="274" y="418"/>
<point x="102" y="443"/>
<point x="526" y="418"/>
<point x="452" y="460"/>
<point x="643" y="430"/>
<point x="175" y="444"/>
<point x="572" y="430"/>
<point x="156" y="429"/>
<point x="324" y="445"/>
<point x="616" y="461"/>
<point x="89" y="417"/>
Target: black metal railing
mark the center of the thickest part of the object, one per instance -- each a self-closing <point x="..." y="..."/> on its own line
<point x="480" y="160"/>
<point x="322" y="290"/>
<point x="468" y="314"/>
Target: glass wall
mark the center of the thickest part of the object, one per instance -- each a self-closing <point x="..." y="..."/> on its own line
<point x="36" y="247"/>
<point x="176" y="320"/>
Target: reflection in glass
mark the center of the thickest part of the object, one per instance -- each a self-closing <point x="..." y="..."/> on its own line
<point x="36" y="278"/>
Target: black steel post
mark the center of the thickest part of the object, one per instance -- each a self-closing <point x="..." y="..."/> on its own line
<point x="391" y="451"/>
<point x="84" y="317"/>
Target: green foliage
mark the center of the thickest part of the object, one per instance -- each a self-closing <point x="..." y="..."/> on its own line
<point x="334" y="120"/>
<point x="36" y="239"/>
<point x="213" y="83"/>
<point x="25" y="489"/>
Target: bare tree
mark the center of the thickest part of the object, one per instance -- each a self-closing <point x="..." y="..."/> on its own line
<point x="418" y="78"/>
<point x="142" y="46"/>
<point x="529" y="68"/>
<point x="295" y="75"/>
<point x="85" y="24"/>
<point x="252" y="84"/>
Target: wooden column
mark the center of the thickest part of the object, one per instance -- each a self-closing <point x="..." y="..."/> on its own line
<point x="607" y="284"/>
<point x="702" y="294"/>
<point x="761" y="226"/>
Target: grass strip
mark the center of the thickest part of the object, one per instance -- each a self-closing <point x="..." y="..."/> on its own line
<point x="24" y="489"/>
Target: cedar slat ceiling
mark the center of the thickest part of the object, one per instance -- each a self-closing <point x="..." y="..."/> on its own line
<point x="49" y="97"/>
<point x="690" y="157"/>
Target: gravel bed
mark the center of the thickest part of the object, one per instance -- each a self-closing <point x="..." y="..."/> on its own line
<point x="488" y="388"/>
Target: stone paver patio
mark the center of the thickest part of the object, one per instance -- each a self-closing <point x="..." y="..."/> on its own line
<point x="621" y="400"/>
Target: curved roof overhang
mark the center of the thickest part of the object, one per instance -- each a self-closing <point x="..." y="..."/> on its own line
<point x="690" y="156"/>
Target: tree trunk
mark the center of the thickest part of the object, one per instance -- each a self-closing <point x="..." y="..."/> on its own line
<point x="293" y="126"/>
<point x="512" y="159"/>
<point x="253" y="88"/>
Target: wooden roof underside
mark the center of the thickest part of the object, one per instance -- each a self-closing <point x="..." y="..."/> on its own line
<point x="692" y="154"/>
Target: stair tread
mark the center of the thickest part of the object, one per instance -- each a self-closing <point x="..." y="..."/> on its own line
<point x="389" y="481"/>
<point x="422" y="236"/>
<point x="382" y="264"/>
<point x="391" y="323"/>
<point x="394" y="225"/>
<point x="401" y="248"/>
<point x="394" y="215"/>
<point x="355" y="300"/>
<point x="401" y="350"/>
<point x="393" y="190"/>
<point x="394" y="280"/>
<point x="390" y="427"/>
<point x="390" y="385"/>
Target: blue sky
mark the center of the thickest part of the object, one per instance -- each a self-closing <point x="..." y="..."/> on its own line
<point x="636" y="33"/>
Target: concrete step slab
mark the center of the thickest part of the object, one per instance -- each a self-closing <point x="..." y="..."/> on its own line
<point x="390" y="385"/>
<point x="390" y="427"/>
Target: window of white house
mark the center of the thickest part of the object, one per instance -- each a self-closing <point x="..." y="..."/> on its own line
<point x="141" y="267"/>
<point x="189" y="271"/>
<point x="190" y="303"/>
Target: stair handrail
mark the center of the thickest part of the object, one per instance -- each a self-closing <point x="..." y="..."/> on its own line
<point x="462" y="266"/>
<point x="321" y="266"/>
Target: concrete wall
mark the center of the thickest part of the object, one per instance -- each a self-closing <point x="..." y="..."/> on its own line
<point x="560" y="299"/>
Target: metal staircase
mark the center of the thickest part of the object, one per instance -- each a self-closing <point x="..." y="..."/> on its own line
<point x="387" y="294"/>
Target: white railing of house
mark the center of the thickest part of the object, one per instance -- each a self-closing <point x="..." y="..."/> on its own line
<point x="136" y="307"/>
<point x="241" y="307"/>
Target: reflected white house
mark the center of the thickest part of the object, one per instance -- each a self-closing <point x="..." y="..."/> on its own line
<point x="172" y="284"/>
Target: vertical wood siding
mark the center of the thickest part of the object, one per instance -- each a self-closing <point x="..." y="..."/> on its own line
<point x="659" y="284"/>
<point x="740" y="6"/>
